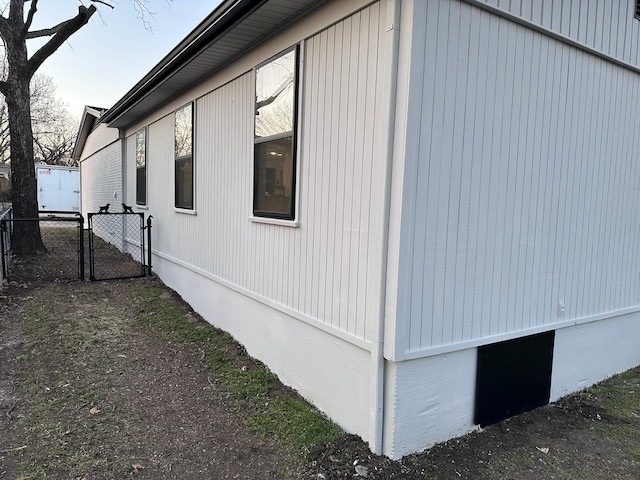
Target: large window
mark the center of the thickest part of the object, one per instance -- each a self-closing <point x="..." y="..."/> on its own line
<point x="141" y="167"/>
<point x="184" y="158"/>
<point x="275" y="140"/>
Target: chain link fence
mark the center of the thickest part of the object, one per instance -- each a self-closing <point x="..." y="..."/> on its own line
<point x="62" y="258"/>
<point x="5" y="243"/>
<point x="117" y="248"/>
<point x="111" y="235"/>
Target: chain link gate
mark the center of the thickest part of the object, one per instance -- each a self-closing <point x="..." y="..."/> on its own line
<point x="112" y="234"/>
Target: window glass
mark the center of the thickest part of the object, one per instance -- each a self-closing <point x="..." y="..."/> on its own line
<point x="274" y="176"/>
<point x="141" y="167"/>
<point x="274" y="155"/>
<point x="275" y="86"/>
<point x="184" y="158"/>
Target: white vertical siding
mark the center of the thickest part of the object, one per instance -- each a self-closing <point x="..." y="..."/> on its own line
<point x="342" y="154"/>
<point x="607" y="26"/>
<point x="524" y="185"/>
<point x="326" y="269"/>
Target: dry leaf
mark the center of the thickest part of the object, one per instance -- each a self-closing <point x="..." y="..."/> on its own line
<point x="94" y="410"/>
<point x="137" y="467"/>
<point x="543" y="449"/>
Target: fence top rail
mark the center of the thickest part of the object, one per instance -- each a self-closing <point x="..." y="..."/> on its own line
<point x="54" y="212"/>
<point x="44" y="219"/>
<point x="139" y="214"/>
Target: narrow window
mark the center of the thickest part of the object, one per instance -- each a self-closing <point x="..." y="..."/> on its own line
<point x="275" y="142"/>
<point x="141" y="167"/>
<point x="637" y="10"/>
<point x="184" y="158"/>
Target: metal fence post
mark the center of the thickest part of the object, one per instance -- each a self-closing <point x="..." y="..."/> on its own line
<point x="80" y="246"/>
<point x="3" y="234"/>
<point x="149" y="244"/>
<point x="91" y="258"/>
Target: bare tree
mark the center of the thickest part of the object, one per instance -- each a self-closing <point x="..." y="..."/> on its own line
<point x="14" y="32"/>
<point x="54" y="128"/>
<point x="16" y="18"/>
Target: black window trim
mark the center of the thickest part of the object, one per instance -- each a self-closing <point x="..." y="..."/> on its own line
<point x="294" y="140"/>
<point x="192" y="209"/>
<point x="146" y="183"/>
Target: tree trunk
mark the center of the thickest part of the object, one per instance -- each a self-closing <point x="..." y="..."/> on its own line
<point x="14" y="30"/>
<point x="26" y="238"/>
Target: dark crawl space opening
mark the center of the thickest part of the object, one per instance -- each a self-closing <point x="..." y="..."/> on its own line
<point x="513" y="377"/>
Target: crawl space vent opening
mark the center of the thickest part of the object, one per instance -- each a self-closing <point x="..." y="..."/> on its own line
<point x="513" y="377"/>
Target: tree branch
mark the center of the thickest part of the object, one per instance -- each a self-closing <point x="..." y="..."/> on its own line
<point x="62" y="32"/>
<point x="103" y="3"/>
<point x="45" y="32"/>
<point x="32" y="11"/>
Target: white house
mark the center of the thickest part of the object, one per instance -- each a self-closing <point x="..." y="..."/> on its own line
<point x="421" y="214"/>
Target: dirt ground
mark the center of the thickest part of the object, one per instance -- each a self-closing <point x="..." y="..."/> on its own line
<point x="88" y="391"/>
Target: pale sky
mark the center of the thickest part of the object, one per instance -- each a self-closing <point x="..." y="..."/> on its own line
<point x="109" y="55"/>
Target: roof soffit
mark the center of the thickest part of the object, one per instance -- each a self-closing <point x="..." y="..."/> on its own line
<point x="248" y="23"/>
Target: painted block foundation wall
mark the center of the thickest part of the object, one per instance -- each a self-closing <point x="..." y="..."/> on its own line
<point x="513" y="205"/>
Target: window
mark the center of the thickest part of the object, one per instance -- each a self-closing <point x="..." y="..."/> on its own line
<point x="637" y="10"/>
<point x="141" y="167"/>
<point x="275" y="140"/>
<point x="184" y="158"/>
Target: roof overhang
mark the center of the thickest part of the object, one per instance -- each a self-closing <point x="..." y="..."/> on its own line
<point x="89" y="118"/>
<point x="233" y="28"/>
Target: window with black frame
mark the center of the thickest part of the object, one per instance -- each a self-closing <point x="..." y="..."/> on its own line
<point x="141" y="167"/>
<point x="184" y="157"/>
<point x="275" y="142"/>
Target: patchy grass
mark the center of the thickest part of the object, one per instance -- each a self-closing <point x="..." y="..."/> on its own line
<point x="270" y="408"/>
<point x="120" y="379"/>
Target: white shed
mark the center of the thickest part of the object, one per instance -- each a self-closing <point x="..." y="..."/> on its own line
<point x="58" y="188"/>
<point x="422" y="215"/>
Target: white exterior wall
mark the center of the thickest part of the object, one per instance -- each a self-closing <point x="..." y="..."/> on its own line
<point x="100" y="138"/>
<point x="329" y="372"/>
<point x="514" y="187"/>
<point x="101" y="179"/>
<point x="520" y="188"/>
<point x="587" y="353"/>
<point x="606" y="26"/>
<point x="515" y="209"/>
<point x="325" y="271"/>
<point x="428" y="400"/>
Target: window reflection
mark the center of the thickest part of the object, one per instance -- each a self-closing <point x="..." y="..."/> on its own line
<point x="141" y="167"/>
<point x="184" y="157"/>
<point x="275" y="96"/>
<point x="274" y="155"/>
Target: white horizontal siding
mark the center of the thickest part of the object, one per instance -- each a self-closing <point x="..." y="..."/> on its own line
<point x="522" y="188"/>
<point x="326" y="270"/>
<point x="100" y="138"/>
<point x="101" y="176"/>
<point x="607" y="26"/>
